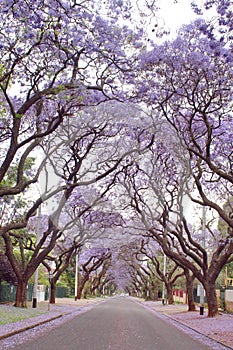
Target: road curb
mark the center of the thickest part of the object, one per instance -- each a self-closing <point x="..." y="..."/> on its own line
<point x="82" y="309"/>
<point x="195" y="330"/>
<point x="23" y="329"/>
<point x="183" y="324"/>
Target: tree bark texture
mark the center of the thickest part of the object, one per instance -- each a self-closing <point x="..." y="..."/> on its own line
<point x="189" y="287"/>
<point x="170" y="298"/>
<point x="211" y="299"/>
<point x="52" y="292"/>
<point x="21" y="294"/>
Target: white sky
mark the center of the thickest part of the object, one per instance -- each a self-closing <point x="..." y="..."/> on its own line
<point x="176" y="14"/>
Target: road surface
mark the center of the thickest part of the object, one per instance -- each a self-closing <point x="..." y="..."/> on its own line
<point x="117" y="324"/>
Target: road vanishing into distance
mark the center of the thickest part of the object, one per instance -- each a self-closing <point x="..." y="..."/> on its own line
<point x="116" y="324"/>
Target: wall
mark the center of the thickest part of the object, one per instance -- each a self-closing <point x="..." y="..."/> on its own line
<point x="229" y="300"/>
<point x="179" y="296"/>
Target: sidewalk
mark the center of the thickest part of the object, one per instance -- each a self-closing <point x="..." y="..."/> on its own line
<point x="219" y="328"/>
<point x="62" y="307"/>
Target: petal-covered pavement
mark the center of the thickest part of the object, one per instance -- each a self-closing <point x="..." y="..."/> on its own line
<point x="218" y="328"/>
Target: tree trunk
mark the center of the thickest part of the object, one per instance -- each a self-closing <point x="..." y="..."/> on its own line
<point x="85" y="293"/>
<point x="52" y="292"/>
<point x="155" y="293"/>
<point x="21" y="294"/>
<point x="170" y="298"/>
<point x="211" y="299"/>
<point x="79" y="292"/>
<point x="151" y="294"/>
<point x="81" y="285"/>
<point x="189" y="286"/>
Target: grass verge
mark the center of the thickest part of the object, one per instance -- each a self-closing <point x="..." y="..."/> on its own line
<point x="10" y="314"/>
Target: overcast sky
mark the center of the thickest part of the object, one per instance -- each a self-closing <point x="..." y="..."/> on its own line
<point x="176" y="13"/>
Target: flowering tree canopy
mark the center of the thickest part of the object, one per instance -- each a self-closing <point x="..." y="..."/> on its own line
<point x="118" y="134"/>
<point x="189" y="83"/>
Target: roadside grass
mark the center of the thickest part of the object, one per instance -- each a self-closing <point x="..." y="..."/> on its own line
<point x="11" y="314"/>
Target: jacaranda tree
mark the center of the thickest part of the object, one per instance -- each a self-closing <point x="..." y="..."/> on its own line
<point x="57" y="58"/>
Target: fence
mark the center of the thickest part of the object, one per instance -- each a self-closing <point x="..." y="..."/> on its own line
<point x="8" y="293"/>
<point x="61" y="292"/>
<point x="179" y="296"/>
<point x="196" y="294"/>
<point x="225" y="297"/>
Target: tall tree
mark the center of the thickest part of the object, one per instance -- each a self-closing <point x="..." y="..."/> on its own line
<point x="194" y="96"/>
<point x="187" y="81"/>
<point x="165" y="271"/>
<point x="157" y="194"/>
<point x="90" y="261"/>
<point x="56" y="58"/>
<point x="87" y="157"/>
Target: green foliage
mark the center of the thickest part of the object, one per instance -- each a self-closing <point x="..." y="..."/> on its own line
<point x="86" y="290"/>
<point x="18" y="116"/>
<point x="67" y="279"/>
<point x="22" y="243"/>
<point x="3" y="83"/>
<point x="2" y="245"/>
<point x="11" y="177"/>
<point x="2" y="70"/>
<point x="42" y="276"/>
<point x="59" y="88"/>
<point x="180" y="283"/>
<point x="62" y="283"/>
<point x="222" y="226"/>
<point x="227" y="272"/>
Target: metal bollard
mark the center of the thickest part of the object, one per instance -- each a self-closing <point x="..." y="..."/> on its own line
<point x="202" y="310"/>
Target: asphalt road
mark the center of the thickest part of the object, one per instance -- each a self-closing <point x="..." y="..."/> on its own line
<point x="117" y="324"/>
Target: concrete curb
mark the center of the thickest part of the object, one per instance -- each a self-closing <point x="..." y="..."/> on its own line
<point x="195" y="330"/>
<point x="36" y="324"/>
<point x="40" y="323"/>
<point x="183" y="324"/>
<point x="22" y="328"/>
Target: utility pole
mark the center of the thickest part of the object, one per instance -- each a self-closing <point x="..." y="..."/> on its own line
<point x="202" y="293"/>
<point x="49" y="291"/>
<point x="164" y="273"/>
<point x="38" y="229"/>
<point x="76" y="278"/>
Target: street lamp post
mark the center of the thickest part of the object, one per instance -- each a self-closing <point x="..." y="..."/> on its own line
<point x="49" y="294"/>
<point x="164" y="273"/>
<point x="76" y="279"/>
<point x="202" y="293"/>
<point x="147" y="290"/>
<point x="38" y="228"/>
